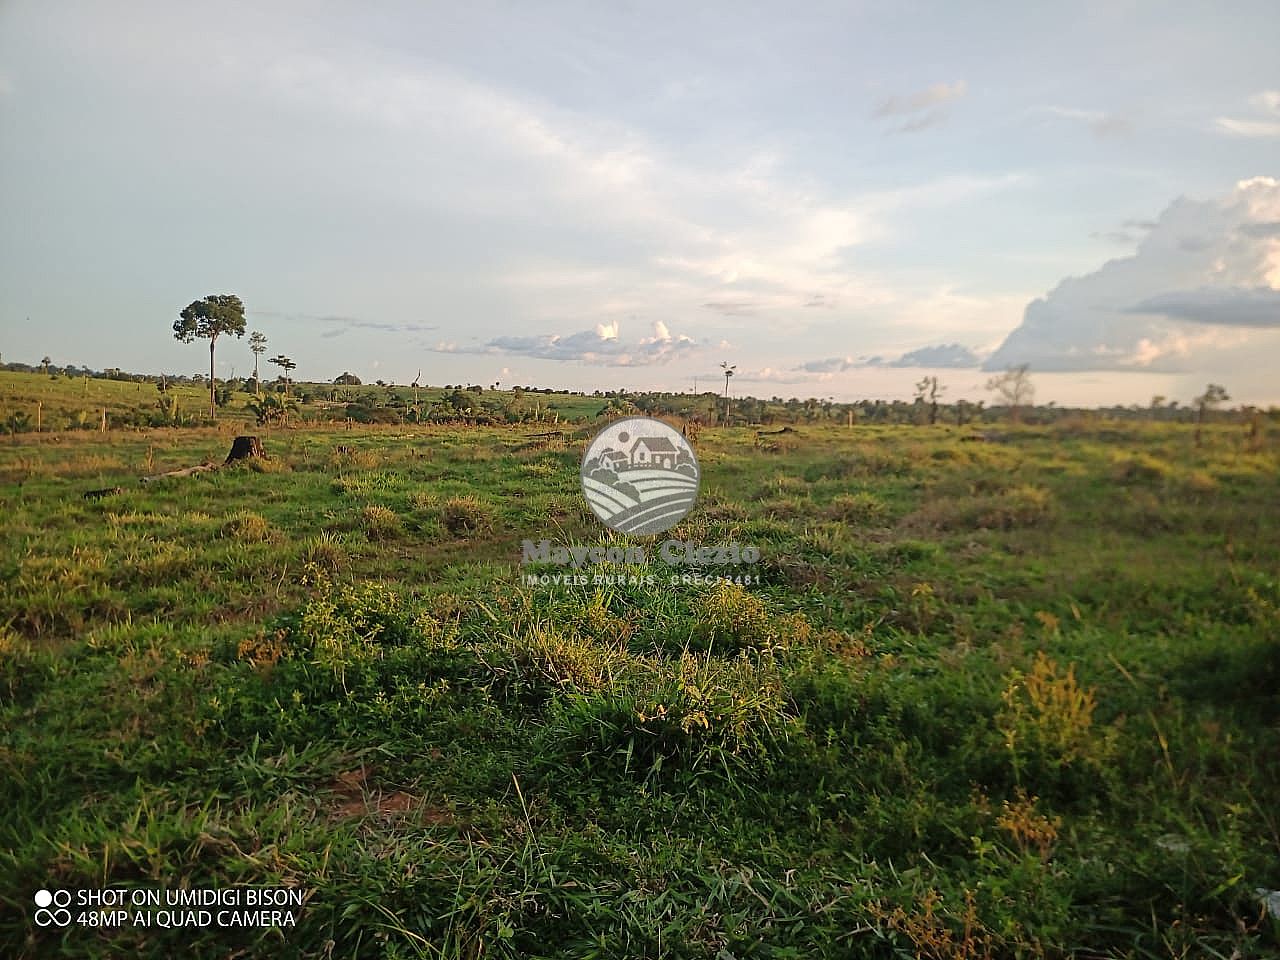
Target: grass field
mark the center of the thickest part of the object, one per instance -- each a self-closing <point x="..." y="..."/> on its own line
<point x="990" y="699"/>
<point x="61" y="404"/>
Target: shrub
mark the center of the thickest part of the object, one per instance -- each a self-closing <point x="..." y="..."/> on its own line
<point x="342" y="626"/>
<point x="1030" y="830"/>
<point x="534" y="665"/>
<point x="363" y="484"/>
<point x="1140" y="468"/>
<point x="324" y="551"/>
<point x="249" y="527"/>
<point x="730" y="616"/>
<point x="463" y="516"/>
<point x="860" y="507"/>
<point x="693" y="713"/>
<point x="1047" y="718"/>
<point x="380" y="523"/>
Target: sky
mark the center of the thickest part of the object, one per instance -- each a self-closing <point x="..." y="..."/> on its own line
<point x="839" y="199"/>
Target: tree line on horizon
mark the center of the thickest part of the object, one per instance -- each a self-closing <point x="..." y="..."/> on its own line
<point x="221" y="316"/>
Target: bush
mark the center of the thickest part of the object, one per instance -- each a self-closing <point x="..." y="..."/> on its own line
<point x="249" y="527"/>
<point x="731" y="617"/>
<point x="464" y="516"/>
<point x="324" y="551"/>
<point x="860" y="507"/>
<point x="380" y="523"/>
<point x="1140" y="468"/>
<point x="694" y="713"/>
<point x="1047" y="721"/>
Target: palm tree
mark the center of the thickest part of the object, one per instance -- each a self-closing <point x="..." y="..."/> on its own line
<point x="285" y="364"/>
<point x="258" y="344"/>
<point x="728" y="372"/>
<point x="272" y="409"/>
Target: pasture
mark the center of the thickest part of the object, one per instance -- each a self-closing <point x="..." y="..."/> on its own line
<point x="1010" y="698"/>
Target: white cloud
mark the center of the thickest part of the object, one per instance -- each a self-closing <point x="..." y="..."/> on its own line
<point x="1264" y="102"/>
<point x="1204" y="264"/>
<point x="920" y="110"/>
<point x="1267" y="101"/>
<point x="941" y="356"/>
<point x="603" y="346"/>
<point x="1103" y="124"/>
<point x="1248" y="128"/>
<point x="931" y="96"/>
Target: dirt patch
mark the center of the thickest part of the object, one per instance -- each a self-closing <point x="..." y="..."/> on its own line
<point x="354" y="797"/>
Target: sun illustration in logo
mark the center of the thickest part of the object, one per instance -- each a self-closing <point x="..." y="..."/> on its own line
<point x="640" y="476"/>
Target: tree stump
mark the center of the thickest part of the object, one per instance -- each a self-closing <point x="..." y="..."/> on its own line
<point x="243" y="448"/>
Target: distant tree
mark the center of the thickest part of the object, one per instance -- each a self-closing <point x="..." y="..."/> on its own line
<point x="1213" y="395"/>
<point x="44" y="364"/>
<point x="728" y="372"/>
<point x="258" y="344"/>
<point x="347" y="380"/>
<point x="285" y="364"/>
<point x="272" y="408"/>
<point x="209" y="319"/>
<point x="927" y="391"/>
<point x="1014" y="388"/>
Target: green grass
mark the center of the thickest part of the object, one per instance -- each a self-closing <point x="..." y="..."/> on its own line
<point x="1007" y="699"/>
<point x="70" y="404"/>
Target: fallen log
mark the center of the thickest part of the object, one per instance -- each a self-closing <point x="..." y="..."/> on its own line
<point x="183" y="472"/>
<point x="104" y="492"/>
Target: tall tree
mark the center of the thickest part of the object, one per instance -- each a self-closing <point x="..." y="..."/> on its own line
<point x="258" y="344"/>
<point x="208" y="319"/>
<point x="1213" y="395"/>
<point x="285" y="364"/>
<point x="928" y="391"/>
<point x="728" y="372"/>
<point x="44" y="364"/>
<point x="1014" y="388"/>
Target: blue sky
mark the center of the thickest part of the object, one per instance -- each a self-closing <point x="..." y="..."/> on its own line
<point x="838" y="198"/>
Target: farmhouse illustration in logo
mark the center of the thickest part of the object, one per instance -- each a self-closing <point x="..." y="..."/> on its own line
<point x="640" y="476"/>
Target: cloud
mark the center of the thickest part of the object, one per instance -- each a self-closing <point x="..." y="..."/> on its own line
<point x="1263" y="229"/>
<point x="602" y="346"/>
<point x="942" y="356"/>
<point x="1204" y="279"/>
<point x="836" y="364"/>
<point x="1230" y="307"/>
<point x="1122" y="237"/>
<point x="933" y="96"/>
<point x="922" y="109"/>
<point x="1268" y="101"/>
<point x="732" y="308"/>
<point x="1248" y="128"/>
<point x="1101" y="123"/>
<point x="946" y="355"/>
<point x="339" y="325"/>
<point x="1266" y="104"/>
